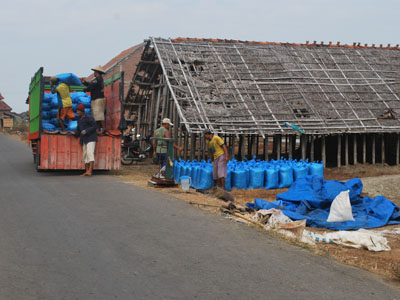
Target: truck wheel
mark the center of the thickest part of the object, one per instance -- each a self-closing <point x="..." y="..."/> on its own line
<point x="124" y="161"/>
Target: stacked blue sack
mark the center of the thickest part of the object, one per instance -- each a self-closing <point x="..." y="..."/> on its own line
<point x="50" y="104"/>
<point x="249" y="174"/>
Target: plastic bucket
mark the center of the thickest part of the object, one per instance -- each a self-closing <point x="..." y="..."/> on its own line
<point x="185" y="183"/>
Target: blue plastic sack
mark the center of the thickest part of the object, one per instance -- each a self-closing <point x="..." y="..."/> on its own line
<point x="239" y="179"/>
<point x="176" y="172"/>
<point x="285" y="176"/>
<point x="271" y="178"/>
<point x="316" y="169"/>
<point x="69" y="78"/>
<point x="228" y="180"/>
<point x="46" y="106"/>
<point x="300" y="171"/>
<point x="55" y="122"/>
<point x="54" y="103"/>
<point x="53" y="113"/>
<point x="48" y="126"/>
<point x="85" y="101"/>
<point x="206" y="179"/>
<point x="256" y="178"/>
<point x="72" y="125"/>
<point x="45" y="115"/>
<point x="47" y="98"/>
<point x="88" y="111"/>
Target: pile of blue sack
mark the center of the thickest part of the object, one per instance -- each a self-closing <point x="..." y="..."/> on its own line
<point x="50" y="104"/>
<point x="311" y="197"/>
<point x="248" y="174"/>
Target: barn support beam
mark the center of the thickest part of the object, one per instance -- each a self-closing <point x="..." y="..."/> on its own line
<point x="339" y="150"/>
<point x="397" y="148"/>
<point x="355" y="149"/>
<point x="373" y="148"/>
<point x="346" y="149"/>
<point x="364" y="148"/>
<point x="323" y="150"/>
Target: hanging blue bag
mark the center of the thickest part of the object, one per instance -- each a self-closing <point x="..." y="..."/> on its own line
<point x="285" y="176"/>
<point x="271" y="178"/>
<point x="256" y="178"/>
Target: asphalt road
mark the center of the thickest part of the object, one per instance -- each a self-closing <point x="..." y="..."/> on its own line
<point x="67" y="237"/>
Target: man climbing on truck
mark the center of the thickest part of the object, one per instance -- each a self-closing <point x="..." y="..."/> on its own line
<point x="87" y="132"/>
<point x="64" y="104"/>
<point x="96" y="89"/>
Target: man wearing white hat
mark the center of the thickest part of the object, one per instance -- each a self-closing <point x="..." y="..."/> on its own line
<point x="96" y="89"/>
<point x="161" y="147"/>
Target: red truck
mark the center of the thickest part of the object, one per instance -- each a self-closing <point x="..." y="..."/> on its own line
<point x="63" y="152"/>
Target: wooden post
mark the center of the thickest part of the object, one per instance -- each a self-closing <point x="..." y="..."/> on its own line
<point x="373" y="148"/>
<point x="175" y="134"/>
<point x="339" y="151"/>
<point x="192" y="146"/>
<point x="323" y="150"/>
<point x="200" y="148"/>
<point x="397" y="148"/>
<point x="364" y="147"/>
<point x="185" y="148"/>
<point x="242" y="148"/>
<point x="383" y="158"/>
<point x="265" y="145"/>
<point x="233" y="146"/>
<point x="312" y="147"/>
<point x="290" y="147"/>
<point x="355" y="149"/>
<point x="249" y="146"/>
<point x="157" y="110"/>
<point x="346" y="149"/>
<point x="303" y="145"/>
<point x="257" y="144"/>
<point x="278" y="146"/>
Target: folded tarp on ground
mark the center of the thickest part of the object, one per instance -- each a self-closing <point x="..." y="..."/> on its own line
<point x="310" y="198"/>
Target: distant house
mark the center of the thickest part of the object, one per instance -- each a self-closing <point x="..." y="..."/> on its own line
<point x="6" y="117"/>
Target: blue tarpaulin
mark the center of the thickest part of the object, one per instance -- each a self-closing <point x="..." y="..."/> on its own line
<point x="310" y="198"/>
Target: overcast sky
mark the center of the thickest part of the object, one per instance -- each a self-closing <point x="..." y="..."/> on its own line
<point x="66" y="36"/>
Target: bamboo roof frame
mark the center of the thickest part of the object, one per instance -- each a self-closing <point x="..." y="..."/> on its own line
<point x="254" y="88"/>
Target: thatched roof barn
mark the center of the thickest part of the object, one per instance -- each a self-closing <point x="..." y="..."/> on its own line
<point x="259" y="89"/>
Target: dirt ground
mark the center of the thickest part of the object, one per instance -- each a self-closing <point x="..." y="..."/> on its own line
<point x="377" y="180"/>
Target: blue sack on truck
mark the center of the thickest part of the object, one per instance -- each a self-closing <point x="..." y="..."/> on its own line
<point x="69" y="78"/>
